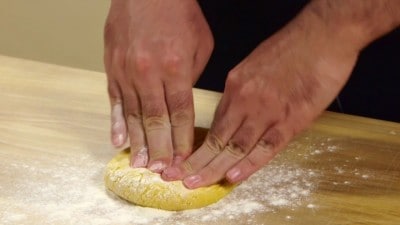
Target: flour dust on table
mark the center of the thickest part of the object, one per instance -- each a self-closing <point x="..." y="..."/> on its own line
<point x="77" y="195"/>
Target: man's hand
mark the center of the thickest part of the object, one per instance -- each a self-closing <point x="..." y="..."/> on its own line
<point x="272" y="95"/>
<point x="154" y="52"/>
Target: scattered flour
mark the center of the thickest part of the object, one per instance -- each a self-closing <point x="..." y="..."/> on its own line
<point x="332" y="148"/>
<point x="311" y="206"/>
<point x="365" y="176"/>
<point x="77" y="195"/>
<point x="316" y="152"/>
<point x="339" y="170"/>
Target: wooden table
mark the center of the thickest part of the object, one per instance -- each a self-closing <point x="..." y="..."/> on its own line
<point x="54" y="142"/>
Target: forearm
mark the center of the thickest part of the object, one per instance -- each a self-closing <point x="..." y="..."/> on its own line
<point x="356" y="22"/>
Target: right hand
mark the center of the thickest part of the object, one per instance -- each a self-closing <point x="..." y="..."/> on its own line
<point x="155" y="51"/>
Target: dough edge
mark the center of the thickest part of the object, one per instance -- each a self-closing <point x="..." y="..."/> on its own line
<point x="145" y="188"/>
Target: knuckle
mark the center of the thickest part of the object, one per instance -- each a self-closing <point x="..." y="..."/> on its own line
<point x="236" y="150"/>
<point x="242" y="88"/>
<point x="246" y="90"/>
<point x="273" y="137"/>
<point x="187" y="167"/>
<point x="181" y="100"/>
<point x="181" y="118"/>
<point x="233" y="79"/>
<point x="153" y="107"/>
<point x="263" y="144"/>
<point x="173" y="62"/>
<point x="181" y="107"/>
<point x="140" y="60"/>
<point x="155" y="123"/>
<point x="245" y="135"/>
<point x="214" y="144"/>
<point x="267" y="151"/>
<point x="132" y="118"/>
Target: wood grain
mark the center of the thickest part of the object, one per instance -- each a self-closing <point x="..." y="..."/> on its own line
<point x="50" y="111"/>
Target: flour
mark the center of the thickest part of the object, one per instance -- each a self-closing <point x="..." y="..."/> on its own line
<point x="77" y="195"/>
<point x="365" y="176"/>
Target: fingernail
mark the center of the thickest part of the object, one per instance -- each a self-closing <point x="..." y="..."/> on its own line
<point x="234" y="174"/>
<point x="171" y="173"/>
<point x="157" y="167"/>
<point x="140" y="161"/>
<point x="192" y="181"/>
<point x="118" y="139"/>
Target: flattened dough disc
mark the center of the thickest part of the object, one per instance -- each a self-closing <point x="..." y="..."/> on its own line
<point x="145" y="188"/>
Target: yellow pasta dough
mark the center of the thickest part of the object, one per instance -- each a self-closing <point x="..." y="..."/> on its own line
<point x="145" y="188"/>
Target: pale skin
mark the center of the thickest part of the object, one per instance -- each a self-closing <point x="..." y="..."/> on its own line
<point x="155" y="50"/>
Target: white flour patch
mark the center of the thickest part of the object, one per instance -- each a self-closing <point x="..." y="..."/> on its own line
<point x="77" y="195"/>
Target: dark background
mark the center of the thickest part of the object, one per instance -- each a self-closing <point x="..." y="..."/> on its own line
<point x="239" y="26"/>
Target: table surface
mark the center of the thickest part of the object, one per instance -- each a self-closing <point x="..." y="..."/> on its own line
<point x="54" y="144"/>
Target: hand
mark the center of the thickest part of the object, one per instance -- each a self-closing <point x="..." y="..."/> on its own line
<point x="273" y="94"/>
<point x="155" y="51"/>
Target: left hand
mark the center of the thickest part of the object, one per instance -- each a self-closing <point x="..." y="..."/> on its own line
<point x="154" y="51"/>
<point x="272" y="95"/>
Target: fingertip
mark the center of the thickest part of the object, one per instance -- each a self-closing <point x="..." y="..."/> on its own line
<point x="171" y="174"/>
<point x="140" y="160"/>
<point x="192" y="181"/>
<point x="157" y="166"/>
<point x="118" y="127"/>
<point x="201" y="179"/>
<point x="118" y="139"/>
<point x="235" y="175"/>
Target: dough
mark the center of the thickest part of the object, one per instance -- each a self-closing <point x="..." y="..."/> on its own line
<point x="145" y="188"/>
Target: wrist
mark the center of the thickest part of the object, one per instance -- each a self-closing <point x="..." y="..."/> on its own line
<point x="355" y="23"/>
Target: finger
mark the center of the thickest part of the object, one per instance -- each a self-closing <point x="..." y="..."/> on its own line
<point x="155" y="120"/>
<point x="118" y="124"/>
<point x="179" y="98"/>
<point x="264" y="151"/>
<point x="139" y="153"/>
<point x="224" y="126"/>
<point x="158" y="130"/>
<point x="237" y="148"/>
<point x="181" y="112"/>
